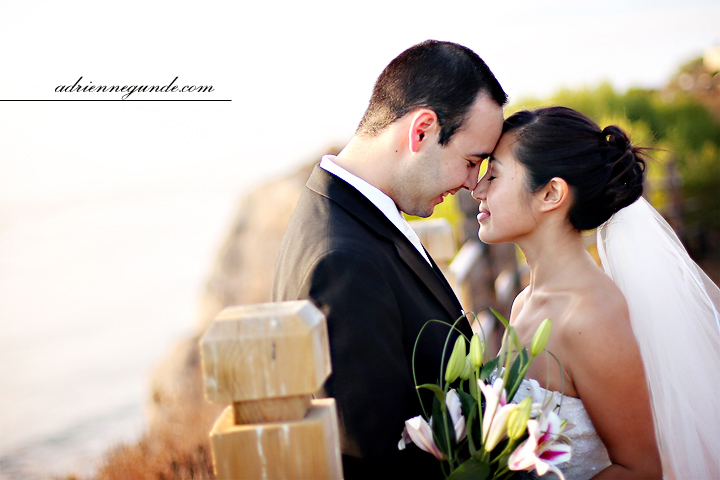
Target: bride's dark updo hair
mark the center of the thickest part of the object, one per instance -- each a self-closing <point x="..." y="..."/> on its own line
<point x="604" y="171"/>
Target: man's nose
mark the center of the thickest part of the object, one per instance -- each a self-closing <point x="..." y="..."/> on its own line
<point x="478" y="193"/>
<point x="471" y="182"/>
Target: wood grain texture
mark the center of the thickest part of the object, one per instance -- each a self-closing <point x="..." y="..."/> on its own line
<point x="265" y="351"/>
<point x="303" y="449"/>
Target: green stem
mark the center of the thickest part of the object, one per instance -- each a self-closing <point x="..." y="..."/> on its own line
<point x="417" y="339"/>
<point x="443" y="409"/>
<point x="503" y="473"/>
<point x="521" y="375"/>
<point x="480" y="412"/>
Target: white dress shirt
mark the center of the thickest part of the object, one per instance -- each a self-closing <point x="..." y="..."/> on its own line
<point x="378" y="198"/>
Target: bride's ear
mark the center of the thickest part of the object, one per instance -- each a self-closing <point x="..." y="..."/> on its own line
<point x="555" y="194"/>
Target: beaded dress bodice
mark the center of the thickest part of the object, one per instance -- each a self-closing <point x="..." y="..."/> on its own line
<point x="589" y="455"/>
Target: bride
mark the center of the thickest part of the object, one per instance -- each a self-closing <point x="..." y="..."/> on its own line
<point x="639" y="344"/>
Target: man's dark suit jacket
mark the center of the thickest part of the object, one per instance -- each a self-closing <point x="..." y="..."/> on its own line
<point x="376" y="292"/>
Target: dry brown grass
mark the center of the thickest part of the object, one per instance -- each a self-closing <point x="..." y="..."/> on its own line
<point x="176" y="445"/>
<point x="172" y="452"/>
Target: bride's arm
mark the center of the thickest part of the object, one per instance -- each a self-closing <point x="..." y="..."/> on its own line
<point x="606" y="368"/>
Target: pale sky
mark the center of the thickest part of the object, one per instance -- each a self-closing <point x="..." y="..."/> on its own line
<point x="299" y="75"/>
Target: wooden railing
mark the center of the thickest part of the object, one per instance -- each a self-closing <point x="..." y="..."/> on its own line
<point x="267" y="360"/>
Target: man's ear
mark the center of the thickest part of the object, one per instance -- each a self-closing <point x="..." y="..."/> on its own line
<point x="422" y="125"/>
<point x="555" y="194"/>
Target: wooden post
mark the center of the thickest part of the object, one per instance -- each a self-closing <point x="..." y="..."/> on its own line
<point x="436" y="235"/>
<point x="268" y="360"/>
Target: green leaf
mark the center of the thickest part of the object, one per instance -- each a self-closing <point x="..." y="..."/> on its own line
<point x="437" y="390"/>
<point x="513" y="375"/>
<point x="472" y="432"/>
<point x="470" y="469"/>
<point x="502" y="319"/>
<point x="442" y="431"/>
<point x="515" y="339"/>
<point x="473" y="426"/>
<point x="517" y="374"/>
<point x="488" y="368"/>
<point x="467" y="402"/>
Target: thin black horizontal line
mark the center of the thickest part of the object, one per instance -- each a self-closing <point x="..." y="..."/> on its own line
<point x="112" y="100"/>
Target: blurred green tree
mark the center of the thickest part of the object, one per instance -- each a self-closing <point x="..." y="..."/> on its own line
<point x="678" y="121"/>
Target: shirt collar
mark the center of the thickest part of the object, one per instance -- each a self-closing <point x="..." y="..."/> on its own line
<point x="378" y="198"/>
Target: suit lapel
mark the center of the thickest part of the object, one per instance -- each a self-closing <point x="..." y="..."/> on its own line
<point x="336" y="189"/>
<point x="432" y="278"/>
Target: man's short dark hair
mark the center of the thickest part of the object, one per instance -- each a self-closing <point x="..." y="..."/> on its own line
<point x="442" y="76"/>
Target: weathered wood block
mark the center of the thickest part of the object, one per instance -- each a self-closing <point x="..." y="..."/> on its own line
<point x="268" y="360"/>
<point x="437" y="235"/>
<point x="302" y="449"/>
<point x="265" y="351"/>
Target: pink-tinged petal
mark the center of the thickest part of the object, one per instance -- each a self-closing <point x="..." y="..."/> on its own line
<point x="523" y="457"/>
<point x="460" y="431"/>
<point x="404" y="439"/>
<point x="556" y="453"/>
<point x="492" y="399"/>
<point x="550" y="425"/>
<point x="498" y="429"/>
<point x="452" y="400"/>
<point x="534" y="431"/>
<point x="556" y="471"/>
<point x="421" y="435"/>
<point x="531" y="455"/>
<point x="541" y="467"/>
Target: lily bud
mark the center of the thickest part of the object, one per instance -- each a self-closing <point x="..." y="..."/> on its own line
<point x="540" y="339"/>
<point x="457" y="360"/>
<point x="467" y="369"/>
<point x="518" y="418"/>
<point x="477" y="351"/>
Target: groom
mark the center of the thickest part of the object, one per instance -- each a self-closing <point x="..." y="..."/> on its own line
<point x="435" y="114"/>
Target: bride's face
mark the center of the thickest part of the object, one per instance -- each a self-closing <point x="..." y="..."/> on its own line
<point x="505" y="213"/>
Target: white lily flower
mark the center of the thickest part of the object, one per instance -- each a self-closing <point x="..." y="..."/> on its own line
<point x="494" y="396"/>
<point x="452" y="400"/>
<point x="498" y="427"/>
<point x="544" y="448"/>
<point x="420" y="433"/>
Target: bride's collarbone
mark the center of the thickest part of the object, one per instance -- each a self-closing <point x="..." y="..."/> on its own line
<point x="536" y="308"/>
<point x="545" y="368"/>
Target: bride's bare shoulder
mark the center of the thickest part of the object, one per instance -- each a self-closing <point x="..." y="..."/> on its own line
<point x="597" y="313"/>
<point x="517" y="304"/>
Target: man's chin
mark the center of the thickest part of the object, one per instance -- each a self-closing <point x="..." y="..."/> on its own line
<point x="419" y="211"/>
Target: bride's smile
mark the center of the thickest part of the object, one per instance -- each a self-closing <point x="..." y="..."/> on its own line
<point x="504" y="210"/>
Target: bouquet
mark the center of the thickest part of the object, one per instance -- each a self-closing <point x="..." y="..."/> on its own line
<point x="479" y="432"/>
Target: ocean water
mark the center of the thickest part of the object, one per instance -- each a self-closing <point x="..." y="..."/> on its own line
<point x="93" y="292"/>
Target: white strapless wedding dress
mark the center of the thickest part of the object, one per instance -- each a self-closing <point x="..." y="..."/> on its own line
<point x="589" y="455"/>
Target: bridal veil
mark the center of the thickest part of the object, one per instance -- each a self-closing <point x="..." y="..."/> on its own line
<point x="674" y="314"/>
